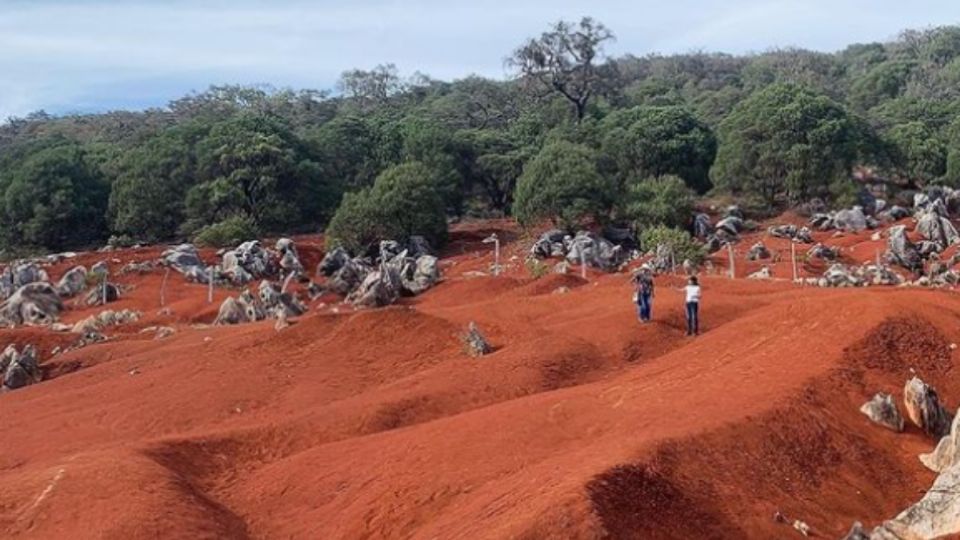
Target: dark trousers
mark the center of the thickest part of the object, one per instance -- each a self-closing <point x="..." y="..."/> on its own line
<point x="645" y="306"/>
<point x="693" y="319"/>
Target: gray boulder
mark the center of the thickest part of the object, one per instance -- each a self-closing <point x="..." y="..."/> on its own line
<point x="598" y="252"/>
<point x="73" y="282"/>
<point x="924" y="408"/>
<point x="349" y="276"/>
<point x="333" y="261"/>
<point x="421" y="274"/>
<point x="787" y="231"/>
<point x="937" y="229"/>
<point x="901" y="251"/>
<point x="289" y="258"/>
<point x="102" y="294"/>
<point x="758" y="251"/>
<point x="247" y="262"/>
<point x="550" y="244"/>
<point x="19" y="369"/>
<point x="702" y="226"/>
<point x="474" y="342"/>
<point x="947" y="452"/>
<point x="883" y="410"/>
<point x="850" y="220"/>
<point x="820" y="251"/>
<point x="184" y="259"/>
<point x="33" y="304"/>
<point x="379" y="288"/>
<point x="18" y="274"/>
<point x="418" y="246"/>
<point x="731" y="224"/>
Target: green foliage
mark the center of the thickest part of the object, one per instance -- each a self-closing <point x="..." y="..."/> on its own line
<point x="562" y="184"/>
<point x="149" y="192"/>
<point x="920" y="155"/>
<point x="403" y="201"/>
<point x="54" y="197"/>
<point x="684" y="247"/>
<point x="786" y="142"/>
<point x="659" y="201"/>
<point x="230" y="232"/>
<point x="254" y="166"/>
<point x="656" y="141"/>
<point x="537" y="268"/>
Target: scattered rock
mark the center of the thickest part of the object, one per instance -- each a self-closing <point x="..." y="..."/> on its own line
<point x="19" y="369"/>
<point x="883" y="410"/>
<point x="758" y="251"/>
<point x="763" y="273"/>
<point x="73" y="282"/>
<point x="924" y="408"/>
<point x="474" y="342"/>
<point x="901" y="251"/>
<point x="34" y="304"/>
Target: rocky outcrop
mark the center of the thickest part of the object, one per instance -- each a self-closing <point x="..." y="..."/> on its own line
<point x="946" y="453"/>
<point x="901" y="251"/>
<point x="247" y="262"/>
<point x="474" y="342"/>
<point x="924" y="408"/>
<point x="73" y="282"/>
<point x="19" y="369"/>
<point x="18" y="274"/>
<point x="186" y="259"/>
<point x="420" y="274"/>
<point x="289" y="258"/>
<point x="758" y="251"/>
<point x="883" y="410"/>
<point x="34" y="304"/>
<point x="937" y="229"/>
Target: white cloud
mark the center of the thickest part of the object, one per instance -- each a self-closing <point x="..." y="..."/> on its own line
<point x="63" y="55"/>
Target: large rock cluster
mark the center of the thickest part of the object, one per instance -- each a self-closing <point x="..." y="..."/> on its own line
<point x="840" y="275"/>
<point x="18" y="274"/>
<point x="847" y="220"/>
<point x="937" y="513"/>
<point x="19" y="369"/>
<point x="596" y="250"/>
<point x="34" y="304"/>
<point x="791" y="232"/>
<point x="399" y="270"/>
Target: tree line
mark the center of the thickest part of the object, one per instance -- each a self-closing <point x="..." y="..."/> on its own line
<point x="575" y="135"/>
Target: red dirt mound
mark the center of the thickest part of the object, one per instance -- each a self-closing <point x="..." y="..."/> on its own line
<point x="583" y="423"/>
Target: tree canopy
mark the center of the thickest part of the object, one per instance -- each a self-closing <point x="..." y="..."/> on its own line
<point x="574" y="135"/>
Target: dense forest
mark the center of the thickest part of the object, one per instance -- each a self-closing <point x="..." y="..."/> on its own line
<point x="575" y="135"/>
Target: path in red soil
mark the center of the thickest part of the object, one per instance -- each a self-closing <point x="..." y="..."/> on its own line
<point x="581" y="424"/>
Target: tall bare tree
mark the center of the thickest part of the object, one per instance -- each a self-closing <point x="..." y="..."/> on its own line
<point x="564" y="60"/>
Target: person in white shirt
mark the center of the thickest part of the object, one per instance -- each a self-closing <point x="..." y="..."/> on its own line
<point x="692" y="291"/>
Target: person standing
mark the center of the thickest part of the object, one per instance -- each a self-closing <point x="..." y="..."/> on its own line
<point x="692" y="291"/>
<point x="644" y="294"/>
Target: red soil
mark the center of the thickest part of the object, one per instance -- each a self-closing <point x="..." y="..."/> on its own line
<point x="582" y="423"/>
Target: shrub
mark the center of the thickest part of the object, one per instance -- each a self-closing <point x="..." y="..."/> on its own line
<point x="660" y="201"/>
<point x="680" y="242"/>
<point x="562" y="184"/>
<point x="402" y="202"/>
<point x="229" y="232"/>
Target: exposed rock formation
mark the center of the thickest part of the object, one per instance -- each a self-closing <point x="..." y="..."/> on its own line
<point x="901" y="251"/>
<point x="924" y="408"/>
<point x="33" y="304"/>
<point x="247" y="262"/>
<point x="19" y="369"/>
<point x="474" y="342"/>
<point x="73" y="282"/>
<point x="883" y="410"/>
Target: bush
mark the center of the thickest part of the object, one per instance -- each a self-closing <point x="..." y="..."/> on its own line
<point x="562" y="184"/>
<point x="660" y="201"/>
<point x="683" y="245"/>
<point x="402" y="202"/>
<point x="227" y="233"/>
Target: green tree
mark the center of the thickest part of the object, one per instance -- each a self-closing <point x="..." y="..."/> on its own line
<point x="55" y="197"/>
<point x="403" y="201"/>
<point x="786" y="142"/>
<point x="562" y="184"/>
<point x="254" y="166"/>
<point x="660" y="201"/>
<point x="919" y="155"/>
<point x="564" y="61"/>
<point x="657" y="141"/>
<point x="148" y="198"/>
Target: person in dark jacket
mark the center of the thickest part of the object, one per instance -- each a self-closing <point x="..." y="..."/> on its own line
<point x="643" y="285"/>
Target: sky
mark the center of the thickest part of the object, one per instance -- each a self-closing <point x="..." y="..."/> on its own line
<point x="94" y="55"/>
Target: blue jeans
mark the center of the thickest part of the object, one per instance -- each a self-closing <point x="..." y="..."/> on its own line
<point x="644" y="306"/>
<point x="693" y="319"/>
